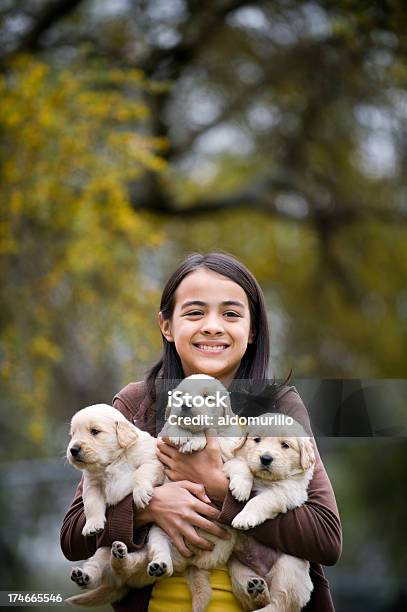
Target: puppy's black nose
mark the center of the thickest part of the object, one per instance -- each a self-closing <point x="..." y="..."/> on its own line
<point x="75" y="450"/>
<point x="266" y="459"/>
<point x="185" y="408"/>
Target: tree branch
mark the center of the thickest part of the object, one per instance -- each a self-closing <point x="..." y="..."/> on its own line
<point x="261" y="196"/>
<point x="168" y="63"/>
<point x="51" y="13"/>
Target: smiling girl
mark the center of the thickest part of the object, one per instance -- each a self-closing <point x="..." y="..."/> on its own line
<point x="213" y="321"/>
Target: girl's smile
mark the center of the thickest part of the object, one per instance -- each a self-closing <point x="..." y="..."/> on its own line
<point x="210" y="325"/>
<point x="213" y="349"/>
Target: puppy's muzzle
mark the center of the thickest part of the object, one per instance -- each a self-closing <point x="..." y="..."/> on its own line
<point x="266" y="460"/>
<point x="75" y="450"/>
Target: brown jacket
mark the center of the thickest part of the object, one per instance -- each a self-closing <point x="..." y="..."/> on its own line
<point x="311" y="532"/>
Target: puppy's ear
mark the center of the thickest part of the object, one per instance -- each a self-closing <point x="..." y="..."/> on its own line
<point x="239" y="443"/>
<point x="307" y="455"/>
<point x="126" y="434"/>
<point x="228" y="412"/>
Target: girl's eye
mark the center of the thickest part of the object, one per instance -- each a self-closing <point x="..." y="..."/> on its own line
<point x="94" y="432"/>
<point x="231" y="314"/>
<point x="193" y="313"/>
<point x="285" y="445"/>
<point x="257" y="440"/>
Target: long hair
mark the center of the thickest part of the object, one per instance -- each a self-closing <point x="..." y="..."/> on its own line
<point x="255" y="362"/>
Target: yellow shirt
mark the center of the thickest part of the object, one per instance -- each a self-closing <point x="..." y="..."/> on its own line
<point x="173" y="594"/>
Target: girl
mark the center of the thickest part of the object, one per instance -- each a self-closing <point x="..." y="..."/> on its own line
<point x="213" y="321"/>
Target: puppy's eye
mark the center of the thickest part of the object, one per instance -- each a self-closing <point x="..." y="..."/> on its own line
<point x="257" y="440"/>
<point x="285" y="445"/>
<point x="94" y="431"/>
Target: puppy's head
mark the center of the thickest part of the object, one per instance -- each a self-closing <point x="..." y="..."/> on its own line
<point x="99" y="435"/>
<point x="278" y="457"/>
<point x="204" y="395"/>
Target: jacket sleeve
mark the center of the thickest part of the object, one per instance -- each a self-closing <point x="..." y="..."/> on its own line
<point x="119" y="521"/>
<point x="312" y="531"/>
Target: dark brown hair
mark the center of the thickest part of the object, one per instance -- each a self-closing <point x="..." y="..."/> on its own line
<point x="255" y="362"/>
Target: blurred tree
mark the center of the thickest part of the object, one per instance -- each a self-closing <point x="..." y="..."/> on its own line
<point x="134" y="131"/>
<point x="69" y="239"/>
<point x="286" y="119"/>
<point x="295" y="110"/>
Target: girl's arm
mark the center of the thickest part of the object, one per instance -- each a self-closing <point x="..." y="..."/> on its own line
<point x="119" y="526"/>
<point x="311" y="532"/>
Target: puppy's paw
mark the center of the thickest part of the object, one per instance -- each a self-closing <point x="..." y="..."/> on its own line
<point x="178" y="440"/>
<point x="256" y="586"/>
<point x="81" y="578"/>
<point x="244" y="520"/>
<point x="142" y="496"/>
<point x="193" y="445"/>
<point x="93" y="526"/>
<point x="240" y="488"/>
<point x="119" y="550"/>
<point x="158" y="569"/>
<point x="258" y="592"/>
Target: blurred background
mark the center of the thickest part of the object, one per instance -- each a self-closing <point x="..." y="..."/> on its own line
<point x="133" y="132"/>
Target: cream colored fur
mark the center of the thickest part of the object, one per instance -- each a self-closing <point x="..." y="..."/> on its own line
<point x="190" y="438"/>
<point x="278" y="470"/>
<point x="117" y="459"/>
<point x="120" y="459"/>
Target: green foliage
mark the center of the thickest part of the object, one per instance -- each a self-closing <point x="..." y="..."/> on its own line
<point x="309" y="89"/>
<point x="301" y="107"/>
<point x="327" y="329"/>
<point x="69" y="240"/>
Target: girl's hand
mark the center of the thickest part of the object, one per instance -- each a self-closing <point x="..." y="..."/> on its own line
<point x="203" y="467"/>
<point x="179" y="507"/>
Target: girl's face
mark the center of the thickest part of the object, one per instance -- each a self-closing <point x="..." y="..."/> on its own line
<point x="210" y="325"/>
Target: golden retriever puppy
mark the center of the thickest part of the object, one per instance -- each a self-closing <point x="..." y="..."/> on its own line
<point x="277" y="469"/>
<point x="117" y="459"/>
<point x="199" y="403"/>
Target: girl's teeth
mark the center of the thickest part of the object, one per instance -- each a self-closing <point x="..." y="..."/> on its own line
<point x="204" y="347"/>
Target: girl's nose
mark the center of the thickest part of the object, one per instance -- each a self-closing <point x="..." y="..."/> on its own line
<point x="212" y="326"/>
